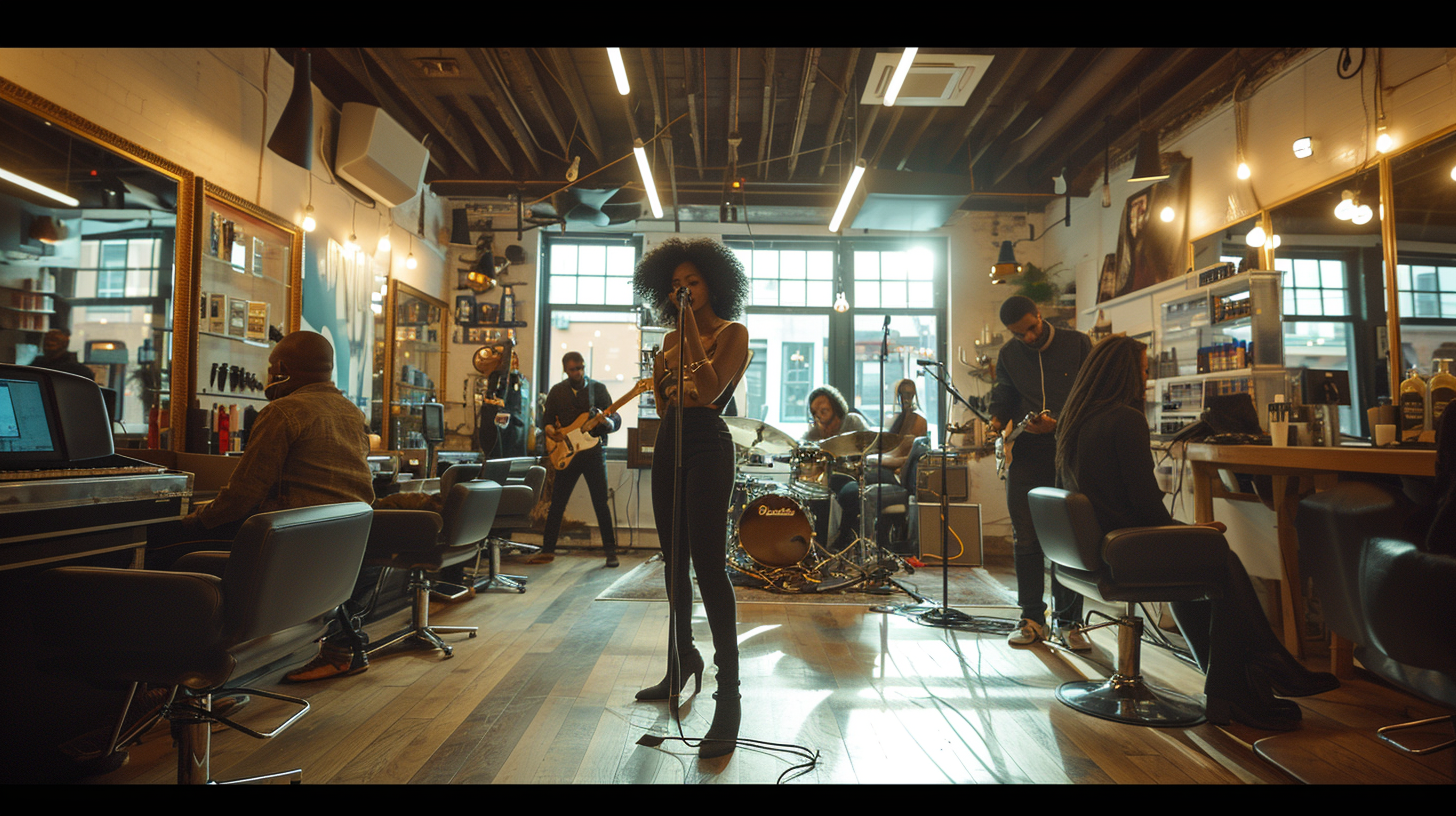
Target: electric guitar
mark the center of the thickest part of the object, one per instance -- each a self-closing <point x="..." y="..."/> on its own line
<point x="578" y="435"/>
<point x="1005" y="441"/>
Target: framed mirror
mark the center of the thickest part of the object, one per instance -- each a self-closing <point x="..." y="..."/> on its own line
<point x="1423" y="190"/>
<point x="1330" y="252"/>
<point x="95" y="260"/>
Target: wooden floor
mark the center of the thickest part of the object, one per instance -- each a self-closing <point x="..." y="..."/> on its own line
<point x="544" y="695"/>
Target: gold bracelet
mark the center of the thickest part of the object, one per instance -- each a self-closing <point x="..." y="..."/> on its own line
<point x="695" y="366"/>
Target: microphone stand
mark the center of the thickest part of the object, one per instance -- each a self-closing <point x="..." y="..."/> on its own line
<point x="864" y="477"/>
<point x="674" y="656"/>
<point x="945" y="615"/>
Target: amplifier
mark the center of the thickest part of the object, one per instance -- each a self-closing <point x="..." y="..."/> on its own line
<point x="927" y="480"/>
<point x="963" y="534"/>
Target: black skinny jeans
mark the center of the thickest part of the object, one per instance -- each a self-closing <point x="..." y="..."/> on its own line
<point x="1227" y="633"/>
<point x="707" y="486"/>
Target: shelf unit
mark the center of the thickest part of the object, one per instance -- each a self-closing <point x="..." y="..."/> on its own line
<point x="1184" y="376"/>
<point x="409" y="365"/>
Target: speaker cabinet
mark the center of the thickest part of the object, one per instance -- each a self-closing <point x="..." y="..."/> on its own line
<point x="927" y="480"/>
<point x="377" y="155"/>
<point x="963" y="534"/>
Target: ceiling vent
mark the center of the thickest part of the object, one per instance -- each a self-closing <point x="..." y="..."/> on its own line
<point x="934" y="80"/>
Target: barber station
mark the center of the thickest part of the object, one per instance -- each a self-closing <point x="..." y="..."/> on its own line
<point x="731" y="415"/>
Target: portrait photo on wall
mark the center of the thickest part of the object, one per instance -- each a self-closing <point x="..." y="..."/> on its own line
<point x="1152" y="238"/>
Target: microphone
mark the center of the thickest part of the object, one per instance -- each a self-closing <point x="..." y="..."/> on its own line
<point x="685" y="297"/>
<point x="887" y="322"/>
<point x="924" y="362"/>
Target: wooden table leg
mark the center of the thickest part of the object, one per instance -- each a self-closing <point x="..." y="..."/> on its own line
<point x="1286" y="499"/>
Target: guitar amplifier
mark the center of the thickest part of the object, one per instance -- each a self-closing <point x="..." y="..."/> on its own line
<point x="927" y="479"/>
<point x="640" y="442"/>
<point x="962" y="535"/>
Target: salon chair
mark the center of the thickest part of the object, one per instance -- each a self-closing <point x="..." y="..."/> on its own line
<point x="896" y="524"/>
<point x="1132" y="566"/>
<point x="214" y="622"/>
<point x="1381" y="592"/>
<point x="422" y="542"/>
<point x="520" y="479"/>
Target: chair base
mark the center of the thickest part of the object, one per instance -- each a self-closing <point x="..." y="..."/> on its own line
<point x="419" y="631"/>
<point x="492" y="577"/>
<point x="192" y="723"/>
<point x="1132" y="701"/>
<point x="1441" y="746"/>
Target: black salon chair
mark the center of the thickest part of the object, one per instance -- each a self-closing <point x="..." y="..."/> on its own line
<point x="1134" y="565"/>
<point x="890" y="507"/>
<point x="520" y="479"/>
<point x="213" y="623"/>
<point x="1380" y="592"/>
<point x="422" y="542"/>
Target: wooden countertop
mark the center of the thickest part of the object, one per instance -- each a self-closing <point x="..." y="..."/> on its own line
<point x="1271" y="460"/>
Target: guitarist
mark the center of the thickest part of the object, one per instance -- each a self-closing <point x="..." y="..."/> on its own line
<point x="1034" y="374"/>
<point x="568" y="400"/>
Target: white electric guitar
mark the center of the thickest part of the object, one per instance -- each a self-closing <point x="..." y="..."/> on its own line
<point x="578" y="435"/>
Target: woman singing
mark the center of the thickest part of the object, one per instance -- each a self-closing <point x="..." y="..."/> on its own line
<point x="700" y="287"/>
<point x="1103" y="452"/>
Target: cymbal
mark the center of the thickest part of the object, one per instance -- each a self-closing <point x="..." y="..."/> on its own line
<point x="855" y="443"/>
<point x="754" y="435"/>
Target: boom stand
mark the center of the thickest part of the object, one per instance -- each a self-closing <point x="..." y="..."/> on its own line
<point x="944" y="616"/>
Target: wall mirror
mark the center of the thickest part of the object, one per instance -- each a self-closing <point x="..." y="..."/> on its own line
<point x="1330" y="253"/>
<point x="89" y="244"/>
<point x="1228" y="245"/>
<point x="1424" y="194"/>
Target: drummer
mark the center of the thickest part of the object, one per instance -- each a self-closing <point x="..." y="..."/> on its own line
<point x="909" y="425"/>
<point x="830" y="416"/>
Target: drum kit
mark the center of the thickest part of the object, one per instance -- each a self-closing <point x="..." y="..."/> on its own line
<point x="784" y="515"/>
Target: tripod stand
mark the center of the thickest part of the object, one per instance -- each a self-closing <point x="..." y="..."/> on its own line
<point x="944" y="615"/>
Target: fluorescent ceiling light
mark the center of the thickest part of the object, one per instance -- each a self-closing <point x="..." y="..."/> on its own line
<point x="38" y="188"/>
<point x="647" y="177"/>
<point x="859" y="169"/>
<point x="618" y="70"/>
<point x="901" y="70"/>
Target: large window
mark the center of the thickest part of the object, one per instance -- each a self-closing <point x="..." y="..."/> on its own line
<point x="802" y="342"/>
<point x="589" y="308"/>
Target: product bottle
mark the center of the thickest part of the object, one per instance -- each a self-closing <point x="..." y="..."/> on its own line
<point x="1102" y="328"/>
<point x="1412" y="407"/>
<point x="1443" y="389"/>
<point x="508" y="306"/>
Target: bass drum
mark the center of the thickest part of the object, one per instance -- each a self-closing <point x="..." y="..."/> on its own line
<point x="776" y="530"/>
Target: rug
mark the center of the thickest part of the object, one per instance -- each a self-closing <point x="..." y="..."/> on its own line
<point x="968" y="586"/>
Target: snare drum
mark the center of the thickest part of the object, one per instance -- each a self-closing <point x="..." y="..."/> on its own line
<point x="809" y="470"/>
<point x="776" y="529"/>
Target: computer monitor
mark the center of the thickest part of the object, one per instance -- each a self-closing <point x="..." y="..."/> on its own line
<point x="433" y="422"/>
<point x="51" y="416"/>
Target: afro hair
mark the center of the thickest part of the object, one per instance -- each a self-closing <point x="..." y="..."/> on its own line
<point x="720" y="268"/>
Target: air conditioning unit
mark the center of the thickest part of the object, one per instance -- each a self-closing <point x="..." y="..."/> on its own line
<point x="379" y="156"/>
<point x="934" y="80"/>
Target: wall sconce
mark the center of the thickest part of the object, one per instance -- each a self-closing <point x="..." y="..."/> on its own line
<point x="1304" y="147"/>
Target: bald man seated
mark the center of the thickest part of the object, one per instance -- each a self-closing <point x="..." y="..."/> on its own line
<point x="308" y="446"/>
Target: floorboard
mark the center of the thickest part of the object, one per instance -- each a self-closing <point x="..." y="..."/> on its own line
<point x="544" y="695"/>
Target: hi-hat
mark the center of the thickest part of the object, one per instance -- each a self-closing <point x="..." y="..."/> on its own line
<point x="855" y="443"/>
<point x="753" y="435"/>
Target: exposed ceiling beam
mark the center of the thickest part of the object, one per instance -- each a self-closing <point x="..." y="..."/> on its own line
<point x="472" y="113"/>
<point x="765" y="135"/>
<point x="837" y="121"/>
<point x="570" y="80"/>
<point x="494" y="88"/>
<point x="518" y="61"/>
<point x="690" y="78"/>
<point x="443" y="122"/>
<point x="806" y="98"/>
<point x="352" y="62"/>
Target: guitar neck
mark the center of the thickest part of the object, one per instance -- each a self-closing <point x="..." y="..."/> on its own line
<point x="637" y="390"/>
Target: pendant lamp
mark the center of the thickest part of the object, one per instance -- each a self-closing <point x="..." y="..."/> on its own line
<point x="293" y="137"/>
<point x="1149" y="165"/>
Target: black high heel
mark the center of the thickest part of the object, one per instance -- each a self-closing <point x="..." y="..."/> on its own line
<point x="1254" y="705"/>
<point x="691" y="664"/>
<point x="722" y="735"/>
